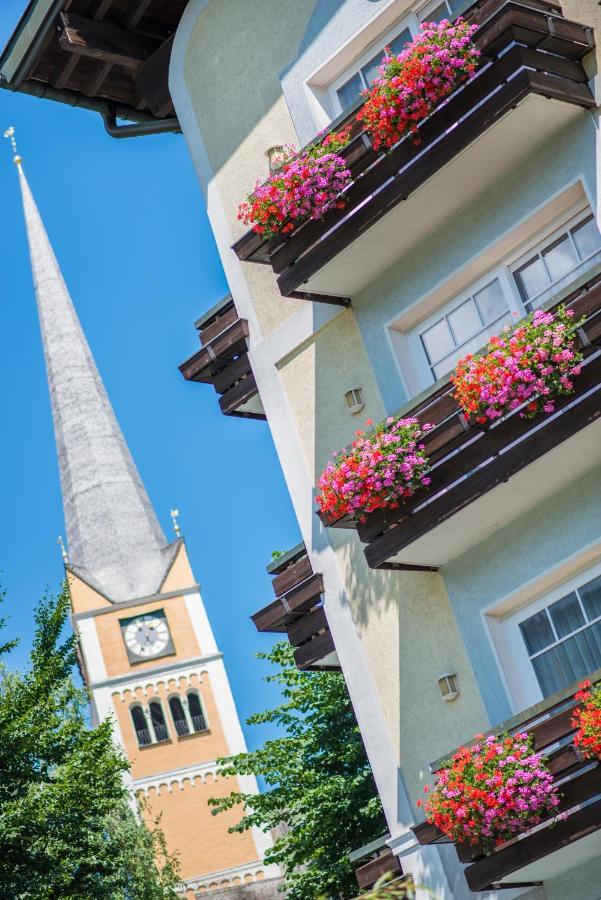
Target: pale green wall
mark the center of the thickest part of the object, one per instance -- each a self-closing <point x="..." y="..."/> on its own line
<point x="236" y="57"/>
<point x="497" y="210"/>
<point x="538" y="541"/>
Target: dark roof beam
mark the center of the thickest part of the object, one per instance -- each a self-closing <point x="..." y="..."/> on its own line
<point x="105" y="42"/>
<point x="93" y="82"/>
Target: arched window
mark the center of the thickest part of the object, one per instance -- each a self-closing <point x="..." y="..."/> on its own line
<point x="158" y="721"/>
<point x="196" y="712"/>
<point x="142" y="731"/>
<point x="178" y="715"/>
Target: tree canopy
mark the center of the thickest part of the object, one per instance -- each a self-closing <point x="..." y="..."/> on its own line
<point x="320" y="785"/>
<point x="67" y="826"/>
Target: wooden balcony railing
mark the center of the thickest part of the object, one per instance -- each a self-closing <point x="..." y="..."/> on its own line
<point x="579" y="783"/>
<point x="468" y="461"/>
<point x="528" y="48"/>
<point x="298" y="611"/>
<point x="223" y="361"/>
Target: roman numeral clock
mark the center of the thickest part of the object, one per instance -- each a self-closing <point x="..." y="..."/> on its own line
<point x="147" y="636"/>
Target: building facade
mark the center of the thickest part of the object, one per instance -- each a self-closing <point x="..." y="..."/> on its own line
<point x="147" y="651"/>
<point x="501" y="183"/>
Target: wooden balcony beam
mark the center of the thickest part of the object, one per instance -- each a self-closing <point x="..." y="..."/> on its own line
<point x="105" y="42"/>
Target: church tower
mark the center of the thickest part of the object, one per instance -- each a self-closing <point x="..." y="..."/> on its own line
<point x="148" y="653"/>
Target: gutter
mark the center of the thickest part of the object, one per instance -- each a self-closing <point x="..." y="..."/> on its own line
<point x="143" y="124"/>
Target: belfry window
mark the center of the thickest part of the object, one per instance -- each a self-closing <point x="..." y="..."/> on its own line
<point x="158" y="721"/>
<point x="196" y="712"/>
<point x="179" y="716"/>
<point x="141" y="727"/>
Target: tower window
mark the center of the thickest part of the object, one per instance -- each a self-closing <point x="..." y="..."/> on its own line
<point x="158" y="721"/>
<point x="142" y="731"/>
<point x="196" y="712"/>
<point x="179" y="716"/>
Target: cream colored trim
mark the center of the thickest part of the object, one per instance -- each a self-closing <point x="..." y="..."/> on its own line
<point x="103" y="610"/>
<point x="92" y="652"/>
<point x="177" y="777"/>
<point x="160" y="675"/>
<point x="200" y="622"/>
<point x="227" y="875"/>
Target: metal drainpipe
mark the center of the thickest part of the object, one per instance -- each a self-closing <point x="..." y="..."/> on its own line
<point x="143" y="124"/>
<point x="137" y="129"/>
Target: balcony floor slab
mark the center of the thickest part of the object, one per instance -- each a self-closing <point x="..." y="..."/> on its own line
<point x="489" y="158"/>
<point x="576" y="854"/>
<point x="525" y="490"/>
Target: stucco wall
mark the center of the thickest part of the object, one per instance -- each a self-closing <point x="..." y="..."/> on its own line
<point x="410" y="628"/>
<point x="513" y="556"/>
<point x="404" y="619"/>
<point x="501" y="207"/>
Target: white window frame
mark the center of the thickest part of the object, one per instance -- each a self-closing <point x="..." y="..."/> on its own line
<point x="542" y="244"/>
<point x="511" y="647"/>
<point x="410" y="22"/>
<point x="407" y="345"/>
<point x="321" y="85"/>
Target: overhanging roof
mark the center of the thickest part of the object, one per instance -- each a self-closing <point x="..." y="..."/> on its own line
<point x="111" y="56"/>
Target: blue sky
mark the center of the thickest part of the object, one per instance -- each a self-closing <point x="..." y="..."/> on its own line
<point x="129" y="228"/>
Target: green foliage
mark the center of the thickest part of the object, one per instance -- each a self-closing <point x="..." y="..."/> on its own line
<point x="320" y="783"/>
<point x="67" y="829"/>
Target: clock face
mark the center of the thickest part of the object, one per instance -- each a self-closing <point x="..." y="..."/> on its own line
<point x="147" y="636"/>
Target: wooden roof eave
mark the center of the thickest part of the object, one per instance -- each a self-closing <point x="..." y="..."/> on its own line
<point x="32" y="39"/>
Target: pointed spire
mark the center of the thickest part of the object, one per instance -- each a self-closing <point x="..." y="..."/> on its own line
<point x="114" y="539"/>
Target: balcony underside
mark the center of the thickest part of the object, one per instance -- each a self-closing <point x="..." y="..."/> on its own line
<point x="223" y="362"/>
<point x="298" y="612"/>
<point x="482" y="479"/>
<point x="530" y="86"/>
<point x="498" y="507"/>
<point x="554" y="847"/>
<point x="507" y="142"/>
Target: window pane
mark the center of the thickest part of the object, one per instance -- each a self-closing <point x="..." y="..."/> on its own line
<point x="178" y="715"/>
<point x="569" y="661"/>
<point x="560" y="258"/>
<point x="537" y="632"/>
<point x="158" y="722"/>
<point x="458" y="6"/>
<point x="567" y="615"/>
<point x="370" y="70"/>
<point x="532" y="278"/>
<point x="587" y="238"/>
<point x="590" y="594"/>
<point x="437" y="340"/>
<point x="491" y="301"/>
<point x="198" y="720"/>
<point x="350" y="90"/>
<point x="464" y="321"/>
<point x="439" y="12"/>
<point x="398" y="43"/>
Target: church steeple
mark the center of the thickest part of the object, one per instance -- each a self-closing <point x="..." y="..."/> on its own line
<point x="114" y="539"/>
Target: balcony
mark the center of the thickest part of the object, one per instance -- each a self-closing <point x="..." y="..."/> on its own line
<point x="298" y="611"/>
<point x="223" y="361"/>
<point x="530" y="85"/>
<point x="550" y="849"/>
<point x="482" y="479"/>
<point x="376" y="860"/>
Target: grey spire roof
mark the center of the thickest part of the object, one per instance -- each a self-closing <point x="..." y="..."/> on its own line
<point x="115" y="541"/>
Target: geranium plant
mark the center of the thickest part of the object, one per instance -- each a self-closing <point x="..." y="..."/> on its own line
<point x="410" y="86"/>
<point x="305" y="186"/>
<point x="587" y="719"/>
<point x="491" y="791"/>
<point x="528" y="367"/>
<point x="379" y="470"/>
